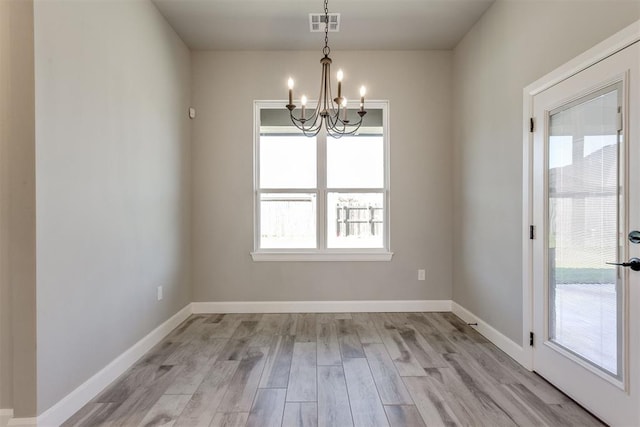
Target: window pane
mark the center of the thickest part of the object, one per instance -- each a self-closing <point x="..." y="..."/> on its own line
<point x="584" y="295"/>
<point x="287" y="220"/>
<point x="287" y="161"/>
<point x="355" y="162"/>
<point x="355" y="220"/>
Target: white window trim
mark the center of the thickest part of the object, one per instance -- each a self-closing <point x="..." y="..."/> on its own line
<point x="341" y="254"/>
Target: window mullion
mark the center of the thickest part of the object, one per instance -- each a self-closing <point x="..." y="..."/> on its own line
<point x="321" y="217"/>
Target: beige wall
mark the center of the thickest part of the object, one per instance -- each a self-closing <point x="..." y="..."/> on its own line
<point x="513" y="44"/>
<point x="113" y="187"/>
<point x="6" y="343"/>
<point x="224" y="86"/>
<point x="17" y="210"/>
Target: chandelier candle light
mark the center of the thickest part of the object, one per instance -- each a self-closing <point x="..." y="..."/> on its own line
<point x="330" y="113"/>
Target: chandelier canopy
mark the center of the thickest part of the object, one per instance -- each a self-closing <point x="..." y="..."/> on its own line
<point x="330" y="113"/>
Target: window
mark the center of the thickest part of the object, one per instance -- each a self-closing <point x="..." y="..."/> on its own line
<point x="320" y="198"/>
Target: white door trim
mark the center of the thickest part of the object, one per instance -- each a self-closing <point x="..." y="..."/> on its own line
<point x="608" y="47"/>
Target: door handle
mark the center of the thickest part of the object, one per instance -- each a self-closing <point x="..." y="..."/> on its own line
<point x="634" y="263"/>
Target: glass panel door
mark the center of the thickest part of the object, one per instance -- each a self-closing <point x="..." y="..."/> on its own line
<point x="585" y="294"/>
<point x="585" y="179"/>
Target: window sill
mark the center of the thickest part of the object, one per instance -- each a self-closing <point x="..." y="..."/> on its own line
<point x="322" y="256"/>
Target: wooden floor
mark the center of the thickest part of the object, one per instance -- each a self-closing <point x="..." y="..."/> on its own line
<point x="362" y="369"/>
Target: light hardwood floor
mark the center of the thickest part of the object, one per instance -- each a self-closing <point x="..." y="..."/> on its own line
<point x="351" y="369"/>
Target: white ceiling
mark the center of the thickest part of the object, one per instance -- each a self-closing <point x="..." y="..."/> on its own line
<point x="283" y="24"/>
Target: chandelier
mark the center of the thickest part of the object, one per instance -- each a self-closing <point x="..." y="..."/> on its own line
<point x="330" y="113"/>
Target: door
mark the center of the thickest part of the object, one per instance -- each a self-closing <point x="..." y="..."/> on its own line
<point x="586" y="201"/>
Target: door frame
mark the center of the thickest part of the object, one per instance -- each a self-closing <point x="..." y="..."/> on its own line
<point x="619" y="41"/>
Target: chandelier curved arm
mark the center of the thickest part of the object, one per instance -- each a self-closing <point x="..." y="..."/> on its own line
<point x="340" y="128"/>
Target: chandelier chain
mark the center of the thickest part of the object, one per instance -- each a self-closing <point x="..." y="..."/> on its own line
<point x="326" y="50"/>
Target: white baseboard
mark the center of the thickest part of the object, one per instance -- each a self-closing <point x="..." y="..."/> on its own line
<point x="79" y="397"/>
<point x="22" y="422"/>
<point x="8" y="420"/>
<point x="513" y="349"/>
<point x="320" y="306"/>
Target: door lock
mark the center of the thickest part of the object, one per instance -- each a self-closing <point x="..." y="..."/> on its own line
<point x="634" y="263"/>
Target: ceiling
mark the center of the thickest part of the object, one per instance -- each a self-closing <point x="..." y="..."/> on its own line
<point x="283" y="24"/>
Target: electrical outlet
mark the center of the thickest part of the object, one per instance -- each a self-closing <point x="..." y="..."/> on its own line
<point x="421" y="275"/>
<point x="159" y="293"/>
